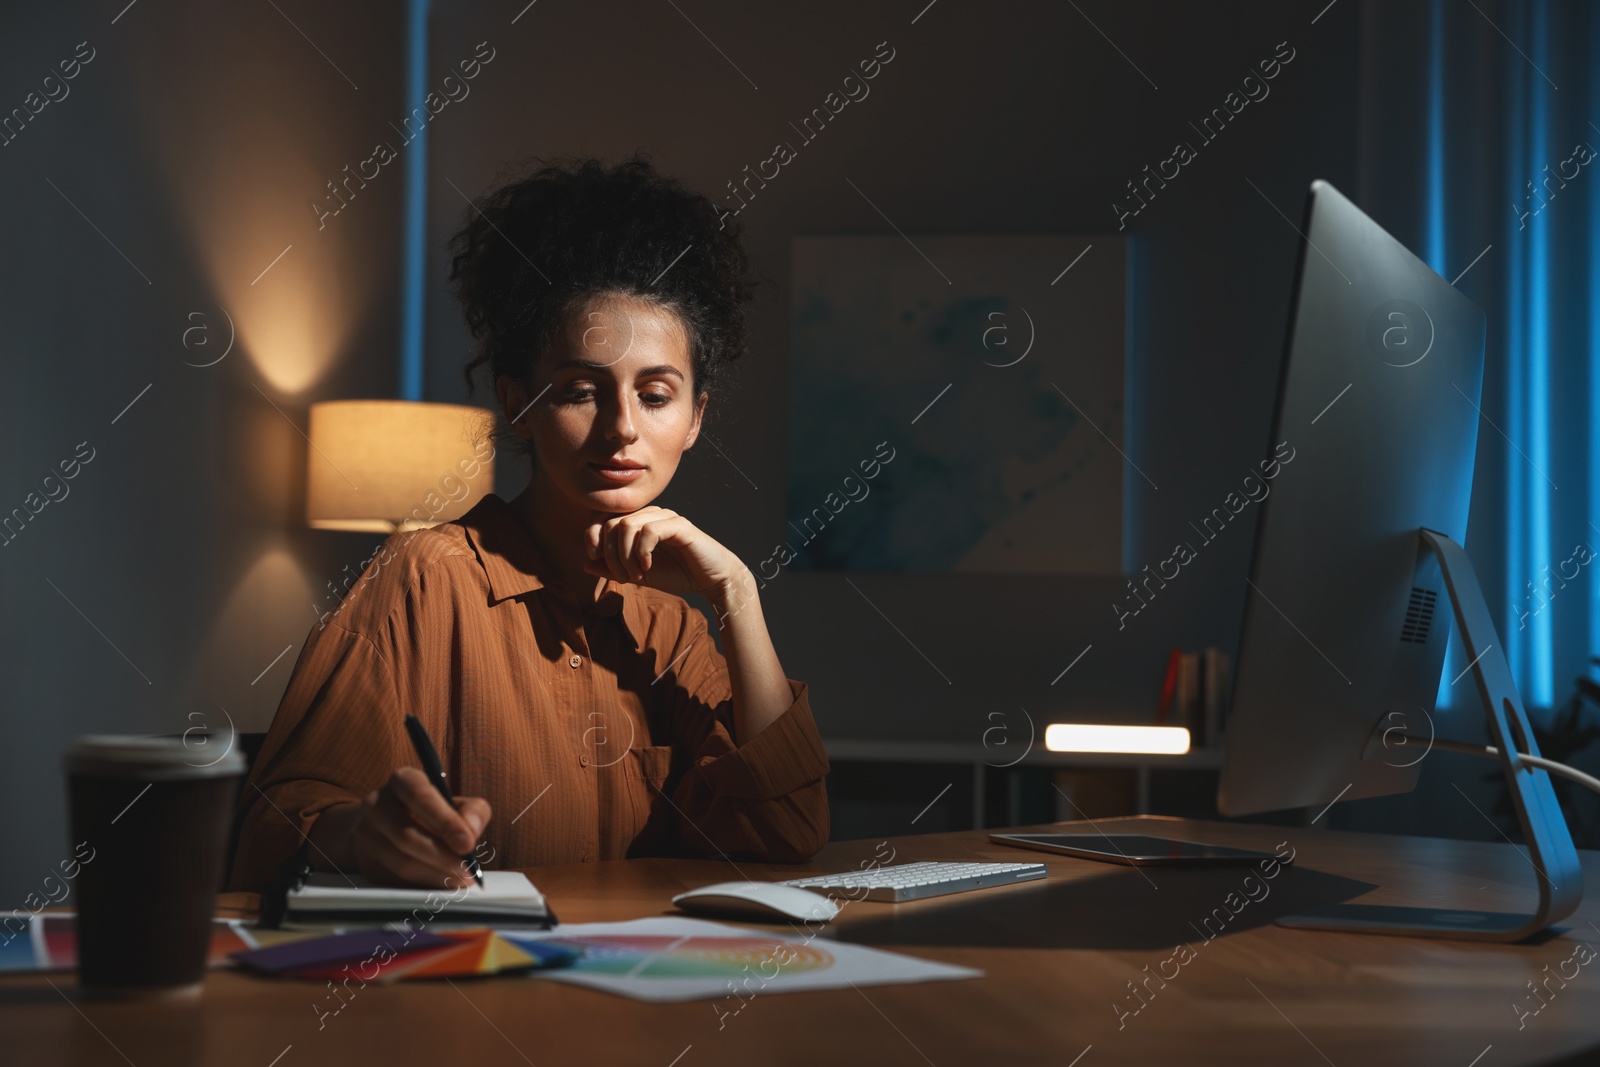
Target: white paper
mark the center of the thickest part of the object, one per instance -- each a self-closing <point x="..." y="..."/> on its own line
<point x="671" y="959"/>
<point x="502" y="891"/>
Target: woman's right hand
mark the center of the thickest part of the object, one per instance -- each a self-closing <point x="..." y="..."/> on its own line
<point x="404" y="833"/>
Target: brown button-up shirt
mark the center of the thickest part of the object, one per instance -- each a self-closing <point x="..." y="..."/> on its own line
<point x="595" y="731"/>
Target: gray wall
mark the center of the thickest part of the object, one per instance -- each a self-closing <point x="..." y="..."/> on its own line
<point x="178" y="565"/>
<point x="988" y="121"/>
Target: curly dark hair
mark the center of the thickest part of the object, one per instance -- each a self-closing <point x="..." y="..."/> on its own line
<point x="536" y="250"/>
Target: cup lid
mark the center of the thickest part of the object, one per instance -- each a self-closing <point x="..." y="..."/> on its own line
<point x="154" y="758"/>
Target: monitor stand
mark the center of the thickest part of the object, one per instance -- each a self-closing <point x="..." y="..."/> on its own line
<point x="1550" y="849"/>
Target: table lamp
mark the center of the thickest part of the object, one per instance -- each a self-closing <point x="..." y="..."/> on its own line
<point x="383" y="466"/>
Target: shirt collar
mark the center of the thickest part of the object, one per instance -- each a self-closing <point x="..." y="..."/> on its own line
<point x="513" y="561"/>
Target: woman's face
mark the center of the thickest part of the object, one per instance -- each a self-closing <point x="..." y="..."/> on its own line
<point x="612" y="408"/>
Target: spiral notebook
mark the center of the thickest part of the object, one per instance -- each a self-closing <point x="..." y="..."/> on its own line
<point x="506" y="898"/>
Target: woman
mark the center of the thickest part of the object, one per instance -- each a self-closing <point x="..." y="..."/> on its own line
<point x="579" y="704"/>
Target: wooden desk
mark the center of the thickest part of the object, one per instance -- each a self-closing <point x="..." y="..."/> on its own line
<point x="1058" y="956"/>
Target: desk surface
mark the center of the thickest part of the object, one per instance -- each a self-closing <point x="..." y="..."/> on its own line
<point x="1058" y="957"/>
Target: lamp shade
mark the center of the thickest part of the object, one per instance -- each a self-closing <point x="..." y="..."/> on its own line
<point x="389" y="465"/>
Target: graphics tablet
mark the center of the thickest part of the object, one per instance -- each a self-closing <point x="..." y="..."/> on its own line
<point x="1136" y="850"/>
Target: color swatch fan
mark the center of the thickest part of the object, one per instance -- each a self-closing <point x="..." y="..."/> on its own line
<point x="387" y="956"/>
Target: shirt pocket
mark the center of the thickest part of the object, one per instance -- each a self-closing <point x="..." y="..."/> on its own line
<point x="645" y="770"/>
<point x="650" y="765"/>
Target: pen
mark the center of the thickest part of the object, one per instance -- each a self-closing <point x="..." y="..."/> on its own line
<point x="435" y="772"/>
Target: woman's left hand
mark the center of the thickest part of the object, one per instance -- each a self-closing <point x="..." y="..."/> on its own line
<point x="662" y="550"/>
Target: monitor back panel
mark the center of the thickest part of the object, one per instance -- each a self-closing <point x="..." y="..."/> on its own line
<point x="1374" y="436"/>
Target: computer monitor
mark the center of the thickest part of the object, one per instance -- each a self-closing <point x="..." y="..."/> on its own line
<point x="1357" y="562"/>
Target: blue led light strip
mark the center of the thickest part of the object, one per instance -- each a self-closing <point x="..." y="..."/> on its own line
<point x="1593" y="454"/>
<point x="413" y="261"/>
<point x="1536" y="678"/>
<point x="1433" y="237"/>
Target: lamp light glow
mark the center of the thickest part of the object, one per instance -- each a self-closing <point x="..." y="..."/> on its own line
<point x="382" y="466"/>
<point x="1090" y="737"/>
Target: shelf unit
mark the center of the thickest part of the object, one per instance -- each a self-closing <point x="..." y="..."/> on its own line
<point x="982" y="759"/>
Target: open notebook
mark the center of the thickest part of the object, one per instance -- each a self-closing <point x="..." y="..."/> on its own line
<point x="507" y="897"/>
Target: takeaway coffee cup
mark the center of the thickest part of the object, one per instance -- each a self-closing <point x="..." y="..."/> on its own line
<point x="153" y="816"/>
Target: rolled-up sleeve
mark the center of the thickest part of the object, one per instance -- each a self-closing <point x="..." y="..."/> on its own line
<point x="765" y="798"/>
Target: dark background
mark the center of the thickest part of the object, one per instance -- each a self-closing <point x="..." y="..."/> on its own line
<point x="158" y="594"/>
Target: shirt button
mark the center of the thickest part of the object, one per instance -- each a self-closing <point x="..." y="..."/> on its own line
<point x="583" y="761"/>
<point x="575" y="661"/>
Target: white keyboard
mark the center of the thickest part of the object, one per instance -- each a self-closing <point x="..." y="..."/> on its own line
<point x="914" y="881"/>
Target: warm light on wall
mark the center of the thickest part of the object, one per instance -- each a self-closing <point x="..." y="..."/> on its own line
<point x="1087" y="737"/>
<point x="385" y="465"/>
<point x="289" y="299"/>
<point x="300" y="295"/>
